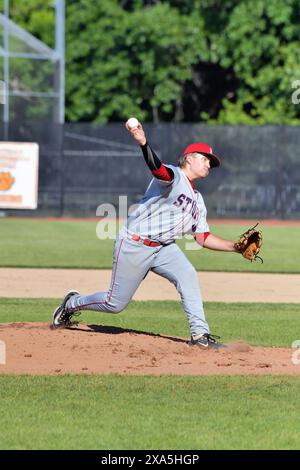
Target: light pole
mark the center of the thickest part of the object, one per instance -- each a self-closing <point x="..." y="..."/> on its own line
<point x="6" y="68"/>
<point x="60" y="50"/>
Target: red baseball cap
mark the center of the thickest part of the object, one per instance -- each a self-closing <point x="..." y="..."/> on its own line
<point x="205" y="149"/>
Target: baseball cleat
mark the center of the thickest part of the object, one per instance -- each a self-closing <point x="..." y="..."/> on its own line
<point x="206" y="341"/>
<point x="62" y="318"/>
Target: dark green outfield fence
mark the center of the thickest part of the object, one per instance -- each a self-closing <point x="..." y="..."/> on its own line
<point x="84" y="165"/>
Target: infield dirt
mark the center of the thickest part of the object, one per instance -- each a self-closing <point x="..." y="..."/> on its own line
<point x="215" y="286"/>
<point x="33" y="348"/>
<point x="36" y="349"/>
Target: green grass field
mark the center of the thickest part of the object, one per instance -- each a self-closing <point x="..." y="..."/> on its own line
<point x="168" y="412"/>
<point x="74" y="244"/>
<point x="114" y="412"/>
<point x="258" y="324"/>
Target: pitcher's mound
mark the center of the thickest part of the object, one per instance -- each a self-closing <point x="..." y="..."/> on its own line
<point x="34" y="348"/>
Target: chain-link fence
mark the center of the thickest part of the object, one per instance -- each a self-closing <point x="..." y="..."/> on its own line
<point x="31" y="71"/>
<point x="84" y="165"/>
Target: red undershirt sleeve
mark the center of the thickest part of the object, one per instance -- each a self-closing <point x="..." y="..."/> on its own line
<point x="201" y="237"/>
<point x="162" y="173"/>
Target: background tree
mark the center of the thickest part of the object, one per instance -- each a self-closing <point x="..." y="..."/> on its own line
<point x="259" y="42"/>
<point x="228" y="62"/>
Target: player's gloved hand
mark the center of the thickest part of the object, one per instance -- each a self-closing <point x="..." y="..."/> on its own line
<point x="249" y="244"/>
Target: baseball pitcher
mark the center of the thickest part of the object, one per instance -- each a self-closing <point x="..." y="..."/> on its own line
<point x="170" y="208"/>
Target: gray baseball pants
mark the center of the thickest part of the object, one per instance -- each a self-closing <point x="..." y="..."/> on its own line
<point x="131" y="263"/>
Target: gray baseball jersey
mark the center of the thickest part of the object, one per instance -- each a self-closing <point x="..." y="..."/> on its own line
<point x="168" y="210"/>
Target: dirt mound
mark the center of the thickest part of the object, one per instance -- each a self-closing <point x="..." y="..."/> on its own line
<point x="33" y="348"/>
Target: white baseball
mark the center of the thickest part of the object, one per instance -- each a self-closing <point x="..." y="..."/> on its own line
<point x="132" y="123"/>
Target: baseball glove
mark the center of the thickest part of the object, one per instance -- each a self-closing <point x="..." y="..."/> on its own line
<point x="249" y="244"/>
